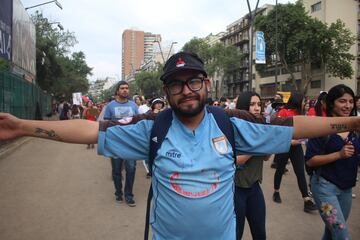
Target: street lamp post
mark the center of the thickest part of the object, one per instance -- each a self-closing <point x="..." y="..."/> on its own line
<point x="276" y="47"/>
<point x="54" y="1"/>
<point x="162" y="55"/>
<point x="172" y="44"/>
<point x="251" y="20"/>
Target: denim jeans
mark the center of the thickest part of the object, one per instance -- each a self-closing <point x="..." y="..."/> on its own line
<point x="130" y="168"/>
<point x="334" y="206"/>
<point x="250" y="203"/>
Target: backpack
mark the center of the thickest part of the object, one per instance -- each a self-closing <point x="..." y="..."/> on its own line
<point x="159" y="130"/>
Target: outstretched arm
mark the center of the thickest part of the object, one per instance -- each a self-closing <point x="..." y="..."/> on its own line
<point x="72" y="131"/>
<point x="311" y="127"/>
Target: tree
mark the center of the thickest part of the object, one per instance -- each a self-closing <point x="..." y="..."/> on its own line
<point x="149" y="83"/>
<point x="58" y="72"/>
<point x="306" y="41"/>
<point x="218" y="58"/>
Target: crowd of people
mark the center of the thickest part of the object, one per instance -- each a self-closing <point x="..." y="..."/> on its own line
<point x="199" y="190"/>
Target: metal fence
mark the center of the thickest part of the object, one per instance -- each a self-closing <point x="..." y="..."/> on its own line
<point x="22" y="98"/>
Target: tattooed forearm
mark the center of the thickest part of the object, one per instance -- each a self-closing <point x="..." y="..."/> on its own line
<point x="49" y="134"/>
<point x="339" y="127"/>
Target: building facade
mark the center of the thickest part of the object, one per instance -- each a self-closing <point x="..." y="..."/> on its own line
<point x="132" y="51"/>
<point x="328" y="11"/>
<point x="138" y="49"/>
<point x="238" y="34"/>
<point x="100" y="85"/>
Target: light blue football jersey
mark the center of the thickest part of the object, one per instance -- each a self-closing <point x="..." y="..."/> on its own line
<point x="193" y="172"/>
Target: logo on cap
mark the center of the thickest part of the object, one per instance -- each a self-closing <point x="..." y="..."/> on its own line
<point x="180" y="62"/>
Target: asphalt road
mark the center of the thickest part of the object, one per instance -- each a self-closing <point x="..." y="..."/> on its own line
<point x="57" y="191"/>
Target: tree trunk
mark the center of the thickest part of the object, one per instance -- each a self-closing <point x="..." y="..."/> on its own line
<point x="307" y="76"/>
<point x="292" y="77"/>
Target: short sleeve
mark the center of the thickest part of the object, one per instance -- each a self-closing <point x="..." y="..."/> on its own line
<point x="129" y="142"/>
<point x="258" y="139"/>
<point x="314" y="147"/>
<point x="107" y="114"/>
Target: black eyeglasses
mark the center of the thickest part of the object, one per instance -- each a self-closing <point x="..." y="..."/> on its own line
<point x="176" y="87"/>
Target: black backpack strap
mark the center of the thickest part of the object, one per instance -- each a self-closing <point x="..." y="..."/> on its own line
<point x="147" y="217"/>
<point x="159" y="130"/>
<point x="224" y="123"/>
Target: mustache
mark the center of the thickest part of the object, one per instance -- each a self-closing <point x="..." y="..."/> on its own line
<point x="195" y="97"/>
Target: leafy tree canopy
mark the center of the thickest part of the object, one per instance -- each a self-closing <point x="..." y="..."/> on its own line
<point x="305" y="40"/>
<point x="218" y="58"/>
<point x="58" y="71"/>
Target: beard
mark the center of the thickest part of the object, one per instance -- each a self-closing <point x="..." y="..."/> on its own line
<point x="189" y="111"/>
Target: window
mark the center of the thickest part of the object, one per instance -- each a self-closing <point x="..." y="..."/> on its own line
<point x="315" y="84"/>
<point x="316" y="7"/>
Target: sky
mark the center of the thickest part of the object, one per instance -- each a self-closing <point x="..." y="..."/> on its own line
<point x="98" y="24"/>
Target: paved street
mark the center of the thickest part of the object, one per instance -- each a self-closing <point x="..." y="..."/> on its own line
<point x="58" y="191"/>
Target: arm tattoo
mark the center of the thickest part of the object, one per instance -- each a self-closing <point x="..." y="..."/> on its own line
<point x="339" y="127"/>
<point x="49" y="134"/>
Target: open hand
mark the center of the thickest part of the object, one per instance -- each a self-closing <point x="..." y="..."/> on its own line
<point x="10" y="127"/>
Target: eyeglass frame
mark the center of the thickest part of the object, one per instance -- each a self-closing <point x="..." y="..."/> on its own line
<point x="186" y="82"/>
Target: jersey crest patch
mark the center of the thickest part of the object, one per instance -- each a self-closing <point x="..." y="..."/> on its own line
<point x="220" y="144"/>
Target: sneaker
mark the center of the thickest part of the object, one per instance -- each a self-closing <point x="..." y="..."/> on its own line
<point x="309" y="206"/>
<point x="276" y="197"/>
<point x="119" y="199"/>
<point x="310" y="193"/>
<point x="130" y="202"/>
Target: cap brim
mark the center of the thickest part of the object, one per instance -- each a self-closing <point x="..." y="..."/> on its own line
<point x="168" y="74"/>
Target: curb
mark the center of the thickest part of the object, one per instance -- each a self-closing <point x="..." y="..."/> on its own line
<point x="10" y="147"/>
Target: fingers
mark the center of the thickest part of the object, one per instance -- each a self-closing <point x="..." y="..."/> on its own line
<point x="348" y="149"/>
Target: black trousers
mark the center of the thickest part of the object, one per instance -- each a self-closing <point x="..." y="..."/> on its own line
<point x="296" y="155"/>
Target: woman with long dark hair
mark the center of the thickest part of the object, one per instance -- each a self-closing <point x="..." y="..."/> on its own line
<point x="296" y="154"/>
<point x="249" y="198"/>
<point x="319" y="108"/>
<point x="334" y="160"/>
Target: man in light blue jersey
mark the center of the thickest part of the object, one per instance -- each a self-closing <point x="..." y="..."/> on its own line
<point x="194" y="167"/>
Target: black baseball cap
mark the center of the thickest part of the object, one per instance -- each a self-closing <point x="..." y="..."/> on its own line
<point x="182" y="61"/>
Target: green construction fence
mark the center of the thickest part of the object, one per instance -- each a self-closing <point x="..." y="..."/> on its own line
<point x="23" y="98"/>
